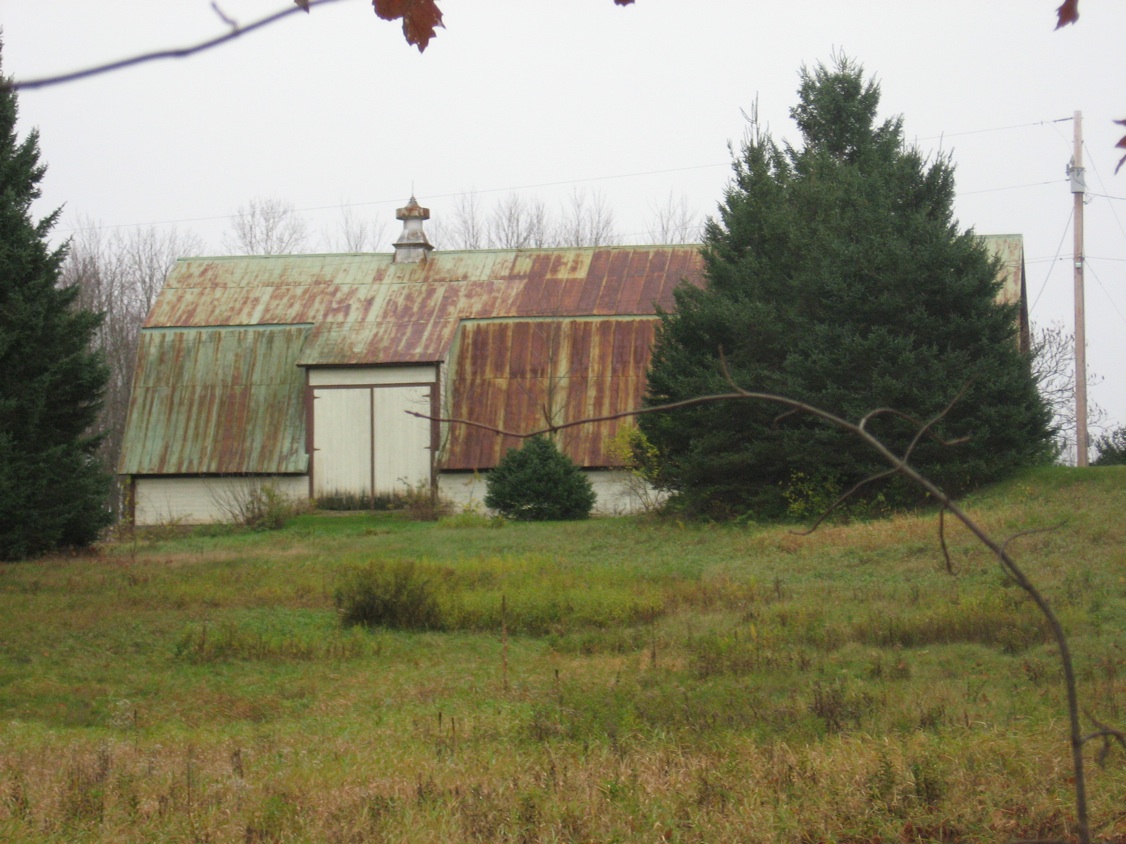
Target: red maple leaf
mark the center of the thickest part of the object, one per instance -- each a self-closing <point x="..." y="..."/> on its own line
<point x="420" y="18"/>
<point x="1120" y="145"/>
<point x="1068" y="13"/>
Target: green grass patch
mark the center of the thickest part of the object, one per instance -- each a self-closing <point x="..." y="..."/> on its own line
<point x="614" y="679"/>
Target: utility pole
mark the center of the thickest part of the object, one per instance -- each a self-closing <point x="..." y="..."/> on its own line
<point x="1078" y="188"/>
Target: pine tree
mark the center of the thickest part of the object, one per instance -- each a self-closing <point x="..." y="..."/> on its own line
<point x="51" y="486"/>
<point x="836" y="274"/>
<point x="539" y="483"/>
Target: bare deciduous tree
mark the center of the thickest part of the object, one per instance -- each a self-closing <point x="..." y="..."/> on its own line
<point x="468" y="226"/>
<point x="266" y="226"/>
<point x="1053" y="369"/>
<point x="587" y="221"/>
<point x="120" y="275"/>
<point x="357" y="234"/>
<point x="517" y="223"/>
<point x="675" y="222"/>
<point x="540" y="228"/>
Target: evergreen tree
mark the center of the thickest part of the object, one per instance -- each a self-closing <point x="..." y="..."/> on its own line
<point x="1111" y="448"/>
<point x="51" y="486"/>
<point x="539" y="483"/>
<point x="836" y="275"/>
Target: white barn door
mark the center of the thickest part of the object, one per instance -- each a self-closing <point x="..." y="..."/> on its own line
<point x="402" y="441"/>
<point x="341" y="442"/>
<point x="364" y="441"/>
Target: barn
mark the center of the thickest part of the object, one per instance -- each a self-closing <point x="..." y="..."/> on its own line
<point x="327" y="375"/>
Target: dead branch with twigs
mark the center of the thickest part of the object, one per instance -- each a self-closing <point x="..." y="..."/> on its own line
<point x="899" y="465"/>
<point x="234" y="32"/>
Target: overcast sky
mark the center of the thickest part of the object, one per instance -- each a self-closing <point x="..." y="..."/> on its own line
<point x="548" y="97"/>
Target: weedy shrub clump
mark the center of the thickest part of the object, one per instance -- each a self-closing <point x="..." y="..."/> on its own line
<point x="399" y="595"/>
<point x="526" y="595"/>
<point x="257" y="506"/>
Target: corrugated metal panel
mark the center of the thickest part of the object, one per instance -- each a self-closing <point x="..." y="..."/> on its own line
<point x="217" y="401"/>
<point x="512" y="374"/>
<point x="1010" y="249"/>
<point x="367" y="310"/>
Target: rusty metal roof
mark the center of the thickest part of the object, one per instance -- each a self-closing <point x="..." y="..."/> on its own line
<point x="217" y="401"/>
<point x="367" y="310"/>
<point x="219" y="387"/>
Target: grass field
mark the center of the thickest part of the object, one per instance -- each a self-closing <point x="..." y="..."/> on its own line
<point x="610" y="680"/>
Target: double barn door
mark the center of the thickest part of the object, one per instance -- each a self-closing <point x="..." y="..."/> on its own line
<point x="365" y="442"/>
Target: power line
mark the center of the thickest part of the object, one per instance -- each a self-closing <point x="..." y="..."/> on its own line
<point x="1010" y="187"/>
<point x="994" y="129"/>
<point x="1106" y="293"/>
<point x="1059" y="248"/>
<point x="1099" y="176"/>
<point x="576" y="181"/>
<point x="450" y="195"/>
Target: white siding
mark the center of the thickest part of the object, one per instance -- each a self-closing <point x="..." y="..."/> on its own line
<point x="352" y="376"/>
<point x="616" y="491"/>
<point x="200" y="500"/>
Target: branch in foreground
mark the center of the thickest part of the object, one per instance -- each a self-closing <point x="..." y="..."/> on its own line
<point x="174" y="53"/>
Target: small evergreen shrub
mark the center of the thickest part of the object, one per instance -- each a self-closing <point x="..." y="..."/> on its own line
<point x="1112" y="448"/>
<point x="398" y="595"/>
<point x="538" y="483"/>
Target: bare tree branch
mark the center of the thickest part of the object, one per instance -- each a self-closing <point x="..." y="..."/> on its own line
<point x="942" y="541"/>
<point x="1106" y="734"/>
<point x="841" y="499"/>
<point x="674" y="222"/>
<point x="174" y="53"/>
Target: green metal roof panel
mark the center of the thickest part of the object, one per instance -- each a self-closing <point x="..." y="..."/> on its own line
<point x="224" y="401"/>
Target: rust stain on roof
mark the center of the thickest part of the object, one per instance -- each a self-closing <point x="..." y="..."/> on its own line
<point x="523" y="375"/>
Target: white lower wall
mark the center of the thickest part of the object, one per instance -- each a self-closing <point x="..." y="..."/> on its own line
<point x="619" y="492"/>
<point x="199" y="500"/>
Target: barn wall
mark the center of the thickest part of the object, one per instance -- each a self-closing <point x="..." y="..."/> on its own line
<point x="203" y="500"/>
<point x="614" y="488"/>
